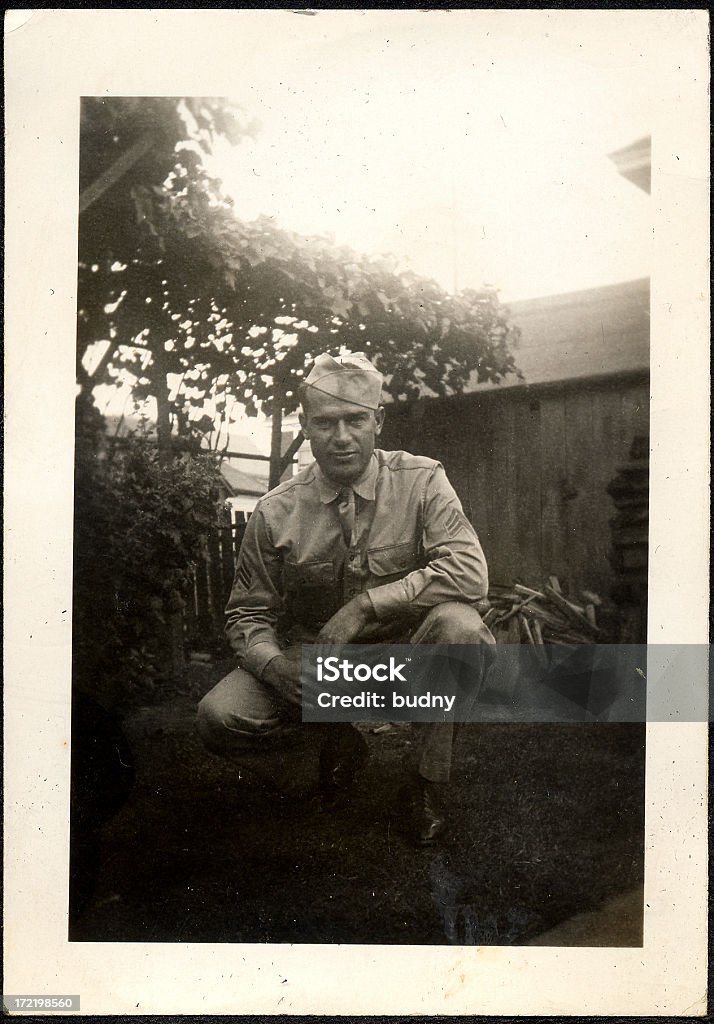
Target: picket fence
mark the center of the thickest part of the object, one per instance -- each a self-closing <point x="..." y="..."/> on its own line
<point x="204" y="616"/>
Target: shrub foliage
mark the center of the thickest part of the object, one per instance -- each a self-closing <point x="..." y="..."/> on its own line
<point x="139" y="528"/>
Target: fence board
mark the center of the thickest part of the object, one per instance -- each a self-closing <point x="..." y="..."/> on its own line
<point x="239" y="526"/>
<point x="527" y="489"/>
<point x="215" y="581"/>
<point x="553" y="488"/>
<point x="203" y="606"/>
<point x="584" y="513"/>
<point x="635" y="416"/>
<point x="611" y="443"/>
<point x="503" y="498"/>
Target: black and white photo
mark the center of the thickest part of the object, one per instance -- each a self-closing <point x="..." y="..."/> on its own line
<point x="364" y="340"/>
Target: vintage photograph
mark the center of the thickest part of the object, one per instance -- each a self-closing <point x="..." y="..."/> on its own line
<point x="375" y="339"/>
<point x="362" y="355"/>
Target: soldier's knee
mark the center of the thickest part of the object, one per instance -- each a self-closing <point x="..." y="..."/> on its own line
<point x="212" y="722"/>
<point x="454" y="622"/>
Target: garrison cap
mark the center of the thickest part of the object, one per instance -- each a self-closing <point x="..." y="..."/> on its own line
<point x="349" y="377"/>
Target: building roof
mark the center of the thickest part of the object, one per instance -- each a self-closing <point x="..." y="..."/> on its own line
<point x="240" y="482"/>
<point x="634" y="162"/>
<point x="580" y="334"/>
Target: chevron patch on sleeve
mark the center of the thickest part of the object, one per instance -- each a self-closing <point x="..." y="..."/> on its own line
<point x="244" y="576"/>
<point x="456" y="521"/>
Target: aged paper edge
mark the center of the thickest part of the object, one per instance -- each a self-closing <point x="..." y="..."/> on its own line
<point x="53" y="58"/>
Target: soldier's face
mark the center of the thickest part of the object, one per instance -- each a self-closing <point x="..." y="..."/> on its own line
<point x="342" y="435"/>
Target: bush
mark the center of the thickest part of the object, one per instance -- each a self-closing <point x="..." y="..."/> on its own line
<point x="138" y="530"/>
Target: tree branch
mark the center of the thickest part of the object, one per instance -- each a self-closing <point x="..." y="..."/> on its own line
<point x="117" y="170"/>
<point x="276" y="437"/>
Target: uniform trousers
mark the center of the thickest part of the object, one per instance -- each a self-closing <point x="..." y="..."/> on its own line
<point x="243" y="718"/>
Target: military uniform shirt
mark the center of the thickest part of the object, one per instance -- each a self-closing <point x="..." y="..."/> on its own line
<point x="412" y="548"/>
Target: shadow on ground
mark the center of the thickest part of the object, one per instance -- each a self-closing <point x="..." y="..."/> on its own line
<point x="547" y="827"/>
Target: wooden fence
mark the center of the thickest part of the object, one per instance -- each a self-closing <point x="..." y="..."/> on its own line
<point x="213" y="579"/>
<point x="532" y="466"/>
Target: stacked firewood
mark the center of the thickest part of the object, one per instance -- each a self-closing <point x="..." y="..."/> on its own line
<point x="521" y="614"/>
<point x="630" y="527"/>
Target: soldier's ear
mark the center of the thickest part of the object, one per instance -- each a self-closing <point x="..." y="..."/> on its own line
<point x="379" y="419"/>
<point x="302" y="419"/>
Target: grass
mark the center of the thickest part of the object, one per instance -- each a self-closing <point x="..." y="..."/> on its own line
<point x="547" y="823"/>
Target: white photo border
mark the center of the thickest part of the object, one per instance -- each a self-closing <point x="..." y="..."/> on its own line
<point x="52" y="59"/>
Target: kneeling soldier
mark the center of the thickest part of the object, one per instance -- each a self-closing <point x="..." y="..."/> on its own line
<point x="362" y="546"/>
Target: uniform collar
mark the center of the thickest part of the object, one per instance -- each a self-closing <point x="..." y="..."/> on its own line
<point x="365" y="486"/>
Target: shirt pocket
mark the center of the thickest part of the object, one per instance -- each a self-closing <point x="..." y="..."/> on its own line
<point x="390" y="563"/>
<point x="310" y="591"/>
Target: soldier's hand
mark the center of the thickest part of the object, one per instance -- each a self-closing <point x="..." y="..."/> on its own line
<point x="284" y="676"/>
<point x="347" y="624"/>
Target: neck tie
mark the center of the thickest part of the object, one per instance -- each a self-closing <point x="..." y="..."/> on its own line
<point x="347" y="511"/>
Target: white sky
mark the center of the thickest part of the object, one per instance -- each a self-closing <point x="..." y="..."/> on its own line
<point x="471" y="145"/>
<point x="471" y="148"/>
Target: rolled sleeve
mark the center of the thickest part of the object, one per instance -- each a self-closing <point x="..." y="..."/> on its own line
<point x="259" y="656"/>
<point x="388" y="600"/>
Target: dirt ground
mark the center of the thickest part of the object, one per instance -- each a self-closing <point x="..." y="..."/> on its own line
<point x="547" y="826"/>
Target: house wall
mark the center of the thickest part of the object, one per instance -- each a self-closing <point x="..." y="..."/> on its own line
<point x="531" y="467"/>
<point x="242" y="502"/>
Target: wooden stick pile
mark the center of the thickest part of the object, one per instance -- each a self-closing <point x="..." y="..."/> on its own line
<point x="521" y="614"/>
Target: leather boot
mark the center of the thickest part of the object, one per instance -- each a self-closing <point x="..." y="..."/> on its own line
<point x="343" y="755"/>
